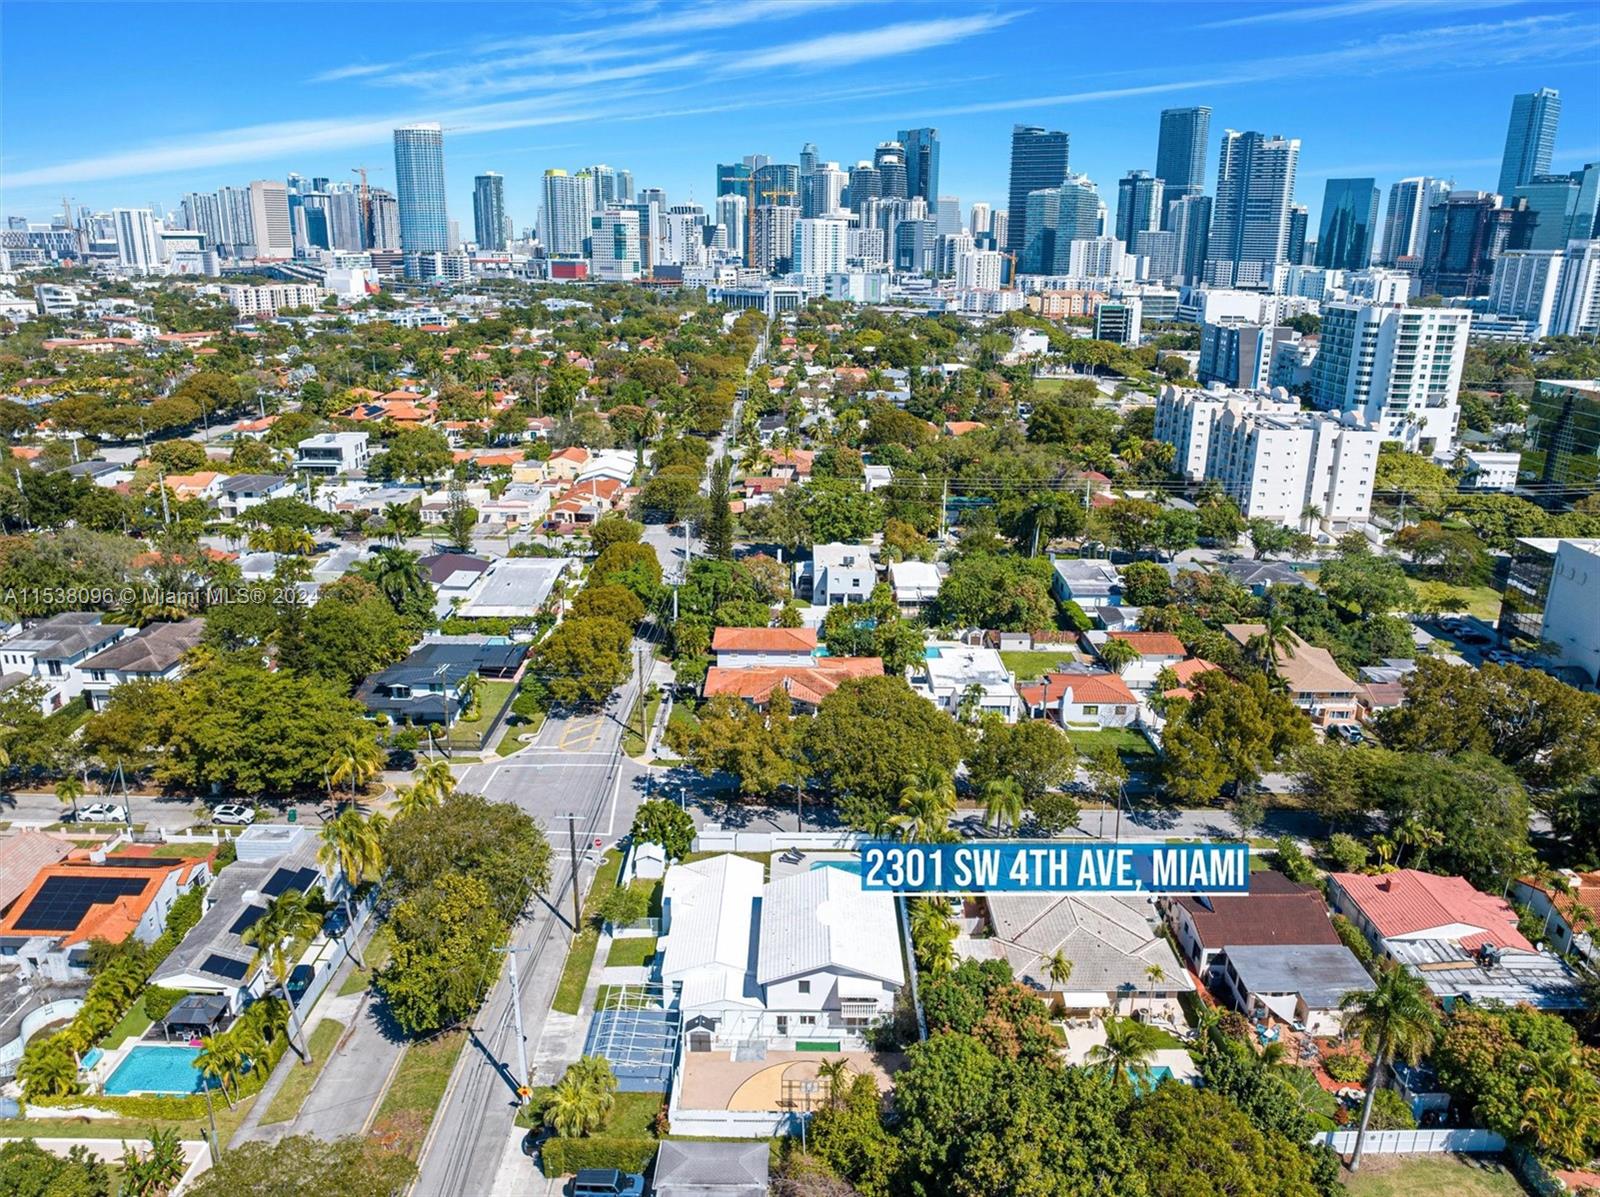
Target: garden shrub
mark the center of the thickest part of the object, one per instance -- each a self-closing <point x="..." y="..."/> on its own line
<point x="564" y="1156"/>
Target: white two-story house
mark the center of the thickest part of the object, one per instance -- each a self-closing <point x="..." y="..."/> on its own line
<point x="53" y="652"/>
<point x="238" y="494"/>
<point x="332" y="453"/>
<point x="755" y="648"/>
<point x="155" y="653"/>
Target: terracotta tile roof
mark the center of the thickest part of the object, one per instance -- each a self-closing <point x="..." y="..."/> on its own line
<point x="1405" y="902"/>
<point x="1585" y="894"/>
<point x="1087" y="687"/>
<point x="804" y="683"/>
<point x="113" y="920"/>
<point x="1188" y="670"/>
<point x="1311" y="670"/>
<point x="961" y="427"/>
<point x="1276" y="911"/>
<point x="764" y="640"/>
<point x="1152" y="644"/>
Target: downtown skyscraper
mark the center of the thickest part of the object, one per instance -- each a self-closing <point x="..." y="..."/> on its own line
<point x="419" y="186"/>
<point x="1038" y="162"/>
<point x="490" y="225"/>
<point x="1181" y="151"/>
<point x="1530" y="138"/>
<point x="1405" y="222"/>
<point x="922" y="162"/>
<point x="1250" y="217"/>
<point x="1349" y="224"/>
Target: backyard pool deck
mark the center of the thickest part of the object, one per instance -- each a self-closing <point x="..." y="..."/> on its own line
<point x="780" y="868"/>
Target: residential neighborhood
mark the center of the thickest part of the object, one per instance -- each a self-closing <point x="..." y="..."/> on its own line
<point x="460" y="682"/>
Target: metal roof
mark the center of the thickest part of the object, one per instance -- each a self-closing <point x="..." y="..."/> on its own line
<point x="1320" y="973"/>
<point x="822" y="919"/>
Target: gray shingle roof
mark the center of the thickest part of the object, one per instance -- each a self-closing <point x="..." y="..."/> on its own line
<point x="686" y="1169"/>
<point x="154" y="650"/>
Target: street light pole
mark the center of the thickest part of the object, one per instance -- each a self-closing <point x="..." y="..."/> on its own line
<point x="524" y="1078"/>
<point x="572" y="847"/>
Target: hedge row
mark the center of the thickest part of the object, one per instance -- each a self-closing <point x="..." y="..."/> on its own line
<point x="564" y="1156"/>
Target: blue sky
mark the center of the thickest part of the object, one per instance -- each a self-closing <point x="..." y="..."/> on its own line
<point x="132" y="103"/>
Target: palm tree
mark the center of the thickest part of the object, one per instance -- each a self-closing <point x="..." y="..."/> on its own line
<point x="1154" y="974"/>
<point x="930" y="918"/>
<point x="214" y="1065"/>
<point x="471" y="695"/>
<point x="356" y="759"/>
<point x="925" y="805"/>
<point x="48" y="1073"/>
<point x="1002" y="802"/>
<point x="350" y="843"/>
<point x="583" y="1098"/>
<point x="1125" y="1052"/>
<point x="939" y="957"/>
<point x="1059" y="968"/>
<point x="1394" y="1018"/>
<point x="436" y="780"/>
<point x="400" y="520"/>
<point x="1275" y="642"/>
<point x="1116" y="654"/>
<point x="833" y="1073"/>
<point x="155" y="1172"/>
<point x="970" y="704"/>
<point x="287" y="919"/>
<point x="1413" y="833"/>
<point x="399" y="575"/>
<point x="413" y="798"/>
<point x="70" y="789"/>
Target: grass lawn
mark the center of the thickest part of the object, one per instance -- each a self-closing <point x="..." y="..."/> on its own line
<point x="575" y="973"/>
<point x="375" y="955"/>
<point x="1130" y="745"/>
<point x="418" y="1087"/>
<point x="1432" y="1176"/>
<point x="297" y="1085"/>
<point x="634" y="951"/>
<point x="510" y="742"/>
<point x="133" y="1024"/>
<point x="632" y="742"/>
<point x="1164" y="1039"/>
<point x="494" y="693"/>
<point x="1482" y="602"/>
<point x="682" y="716"/>
<point x="1031" y="666"/>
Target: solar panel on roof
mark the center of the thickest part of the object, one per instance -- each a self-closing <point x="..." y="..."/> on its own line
<point x="62" y="901"/>
<point x="136" y="862"/>
<point x="282" y="879"/>
<point x="225" y="966"/>
<point x="251" y="916"/>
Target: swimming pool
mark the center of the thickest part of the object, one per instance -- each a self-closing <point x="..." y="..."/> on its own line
<point x="151" y="1068"/>
<point x="849" y="866"/>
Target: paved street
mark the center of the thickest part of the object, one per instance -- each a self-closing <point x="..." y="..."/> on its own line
<point x="574" y="766"/>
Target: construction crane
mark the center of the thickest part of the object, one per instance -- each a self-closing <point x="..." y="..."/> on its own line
<point x="367" y="230"/>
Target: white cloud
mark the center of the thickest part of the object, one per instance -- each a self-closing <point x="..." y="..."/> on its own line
<point x="846" y="49"/>
<point x="1351" y="8"/>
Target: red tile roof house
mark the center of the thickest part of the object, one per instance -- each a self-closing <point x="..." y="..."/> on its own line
<point x="806" y="686"/>
<point x="746" y="648"/>
<point x="1463" y="943"/>
<point x="1082" y="700"/>
<point x="1561" y="912"/>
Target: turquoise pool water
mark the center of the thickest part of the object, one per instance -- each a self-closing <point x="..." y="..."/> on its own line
<point x="149" y="1068"/>
<point x="849" y="866"/>
<point x="90" y="1058"/>
<point x="932" y="654"/>
<point x="1144" y="1082"/>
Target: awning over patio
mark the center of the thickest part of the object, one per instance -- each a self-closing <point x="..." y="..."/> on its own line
<point x="199" y="1012"/>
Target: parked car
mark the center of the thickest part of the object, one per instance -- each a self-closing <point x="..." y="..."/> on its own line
<point x="1349" y="733"/>
<point x="103" y="812"/>
<point x="232" y="814"/>
<point x="607" y="1182"/>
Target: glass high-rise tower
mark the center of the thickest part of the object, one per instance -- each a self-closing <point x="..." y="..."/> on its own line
<point x="922" y="162"/>
<point x="419" y="185"/>
<point x="1530" y="138"/>
<point x="489" y="222"/>
<point x="1038" y="162"/>
<point x="1140" y="205"/>
<point x="1181" y="151"/>
<point x="1349" y="224"/>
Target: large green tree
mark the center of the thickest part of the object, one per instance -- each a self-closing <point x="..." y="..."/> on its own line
<point x="1035" y="753"/>
<point x="442" y="958"/>
<point x="466" y="834"/>
<point x="871" y="734"/>
<point x="1192" y="1142"/>
<point x="584" y="660"/>
<point x="1228" y="734"/>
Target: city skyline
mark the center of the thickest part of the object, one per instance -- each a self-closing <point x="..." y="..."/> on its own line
<point x="511" y="104"/>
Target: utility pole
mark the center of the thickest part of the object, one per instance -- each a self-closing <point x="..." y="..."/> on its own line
<point x="572" y="848"/>
<point x="524" y="1079"/>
